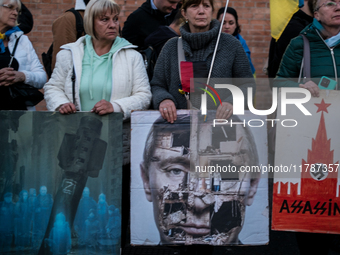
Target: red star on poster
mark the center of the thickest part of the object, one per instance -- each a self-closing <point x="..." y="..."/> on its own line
<point x="322" y="106"/>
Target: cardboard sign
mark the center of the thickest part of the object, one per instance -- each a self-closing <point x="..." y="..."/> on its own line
<point x="306" y="194"/>
<point x="60" y="183"/>
<point x="187" y="183"/>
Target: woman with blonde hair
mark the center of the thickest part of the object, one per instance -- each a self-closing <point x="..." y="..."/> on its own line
<point x="109" y="74"/>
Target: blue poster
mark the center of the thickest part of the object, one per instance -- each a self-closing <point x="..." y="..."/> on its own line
<point x="60" y="183"/>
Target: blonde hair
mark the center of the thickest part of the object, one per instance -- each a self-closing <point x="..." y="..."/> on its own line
<point x="96" y="8"/>
<point x="315" y="4"/>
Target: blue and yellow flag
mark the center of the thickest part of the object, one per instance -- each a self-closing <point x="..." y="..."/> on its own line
<point x="281" y="11"/>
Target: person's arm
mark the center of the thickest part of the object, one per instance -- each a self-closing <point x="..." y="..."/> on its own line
<point x="54" y="89"/>
<point x="161" y="77"/>
<point x="140" y="97"/>
<point x="25" y="19"/>
<point x="64" y="31"/>
<point x="163" y="100"/>
<point x="35" y="74"/>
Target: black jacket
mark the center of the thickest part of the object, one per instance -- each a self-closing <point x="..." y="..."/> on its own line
<point x="143" y="22"/>
<point x="25" y="19"/>
<point x="159" y="37"/>
<point x="297" y="23"/>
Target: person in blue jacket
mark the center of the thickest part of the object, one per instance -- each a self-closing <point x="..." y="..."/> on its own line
<point x="231" y="26"/>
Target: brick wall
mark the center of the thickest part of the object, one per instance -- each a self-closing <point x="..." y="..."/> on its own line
<point x="253" y="16"/>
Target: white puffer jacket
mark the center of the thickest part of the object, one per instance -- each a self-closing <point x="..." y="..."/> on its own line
<point x="28" y="60"/>
<point x="130" y="83"/>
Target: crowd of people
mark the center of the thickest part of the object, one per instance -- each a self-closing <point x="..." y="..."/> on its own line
<point x="99" y="69"/>
<point x="101" y="49"/>
<point x="23" y="223"/>
<point x="26" y="219"/>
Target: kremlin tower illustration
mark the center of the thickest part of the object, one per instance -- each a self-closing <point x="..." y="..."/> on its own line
<point x="312" y="204"/>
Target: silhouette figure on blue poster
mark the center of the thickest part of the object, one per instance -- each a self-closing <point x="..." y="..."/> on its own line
<point x="23" y="217"/>
<point x="91" y="231"/>
<point x="32" y="200"/>
<point x="60" y="236"/>
<point x="114" y="224"/>
<point x="85" y="205"/>
<point x="102" y="212"/>
<point x="43" y="208"/>
<point x="6" y="222"/>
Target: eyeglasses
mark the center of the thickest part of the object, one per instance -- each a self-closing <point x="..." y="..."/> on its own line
<point x="12" y="8"/>
<point x="330" y="5"/>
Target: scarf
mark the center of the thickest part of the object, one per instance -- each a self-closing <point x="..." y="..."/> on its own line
<point x="332" y="41"/>
<point x="5" y="35"/>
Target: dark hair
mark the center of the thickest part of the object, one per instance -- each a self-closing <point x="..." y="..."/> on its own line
<point x="315" y="3"/>
<point x="182" y="128"/>
<point x="311" y="6"/>
<point x="161" y="127"/>
<point x="233" y="12"/>
<point x="178" y="18"/>
<point x="187" y="3"/>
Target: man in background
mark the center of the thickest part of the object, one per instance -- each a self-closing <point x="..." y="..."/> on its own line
<point x="162" y="34"/>
<point x="64" y="28"/>
<point x="147" y="18"/>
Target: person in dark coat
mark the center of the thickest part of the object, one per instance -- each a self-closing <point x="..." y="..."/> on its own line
<point x="299" y="21"/>
<point x="147" y="18"/>
<point x="162" y="34"/>
<point x="25" y="19"/>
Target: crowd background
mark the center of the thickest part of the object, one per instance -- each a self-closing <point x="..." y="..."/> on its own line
<point x="254" y="18"/>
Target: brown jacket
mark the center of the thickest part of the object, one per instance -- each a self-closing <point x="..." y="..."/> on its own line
<point x="64" y="31"/>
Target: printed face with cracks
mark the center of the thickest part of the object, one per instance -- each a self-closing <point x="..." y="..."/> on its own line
<point x="192" y="207"/>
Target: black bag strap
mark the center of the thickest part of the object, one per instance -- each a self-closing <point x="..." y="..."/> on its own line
<point x="15" y="46"/>
<point x="80" y="30"/>
<point x="73" y="78"/>
<point x="306" y="58"/>
<point x="13" y="52"/>
<point x="79" y="22"/>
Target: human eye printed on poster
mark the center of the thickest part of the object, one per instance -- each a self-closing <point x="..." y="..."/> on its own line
<point x="188" y="182"/>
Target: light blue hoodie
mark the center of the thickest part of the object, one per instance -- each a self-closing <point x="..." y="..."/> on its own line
<point x="96" y="78"/>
